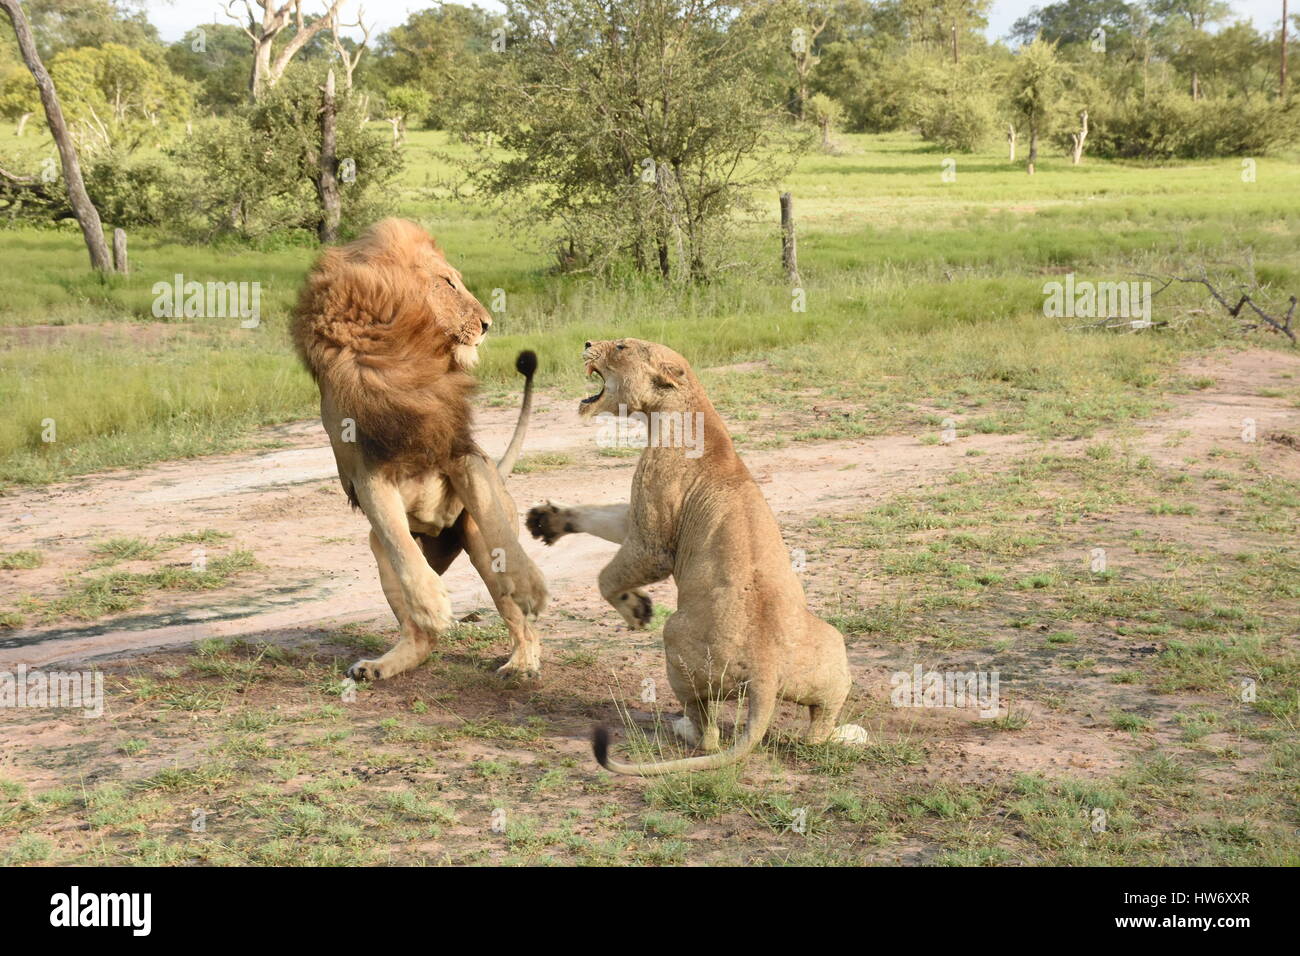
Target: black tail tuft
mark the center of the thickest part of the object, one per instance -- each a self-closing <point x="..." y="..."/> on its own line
<point x="526" y="363"/>
<point x="600" y="744"/>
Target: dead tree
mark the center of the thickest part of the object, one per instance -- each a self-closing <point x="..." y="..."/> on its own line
<point x="804" y="60"/>
<point x="327" y="182"/>
<point x="276" y="18"/>
<point x="1280" y="325"/>
<point x="1281" y="80"/>
<point x="85" y="211"/>
<point x="349" y="60"/>
<point x="1078" y="138"/>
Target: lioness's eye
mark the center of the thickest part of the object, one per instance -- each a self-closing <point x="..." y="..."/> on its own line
<point x="621" y="347"/>
<point x="449" y="282"/>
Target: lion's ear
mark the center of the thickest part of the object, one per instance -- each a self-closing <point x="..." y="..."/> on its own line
<point x="667" y="375"/>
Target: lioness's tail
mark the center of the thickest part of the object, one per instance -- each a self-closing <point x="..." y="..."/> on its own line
<point x="525" y="365"/>
<point x="762" y="704"/>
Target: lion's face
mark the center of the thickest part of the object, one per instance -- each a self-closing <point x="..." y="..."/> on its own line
<point x="638" y="375"/>
<point x="412" y="265"/>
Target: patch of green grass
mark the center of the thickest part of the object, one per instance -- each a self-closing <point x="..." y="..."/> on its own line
<point x="542" y="461"/>
<point x="953" y="300"/>
<point x="92" y="597"/>
<point x="20" y="560"/>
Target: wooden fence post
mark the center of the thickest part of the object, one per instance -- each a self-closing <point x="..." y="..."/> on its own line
<point x="789" y="254"/>
<point x="119" y="251"/>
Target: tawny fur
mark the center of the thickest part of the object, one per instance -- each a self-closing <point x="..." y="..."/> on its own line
<point x="742" y="624"/>
<point x="378" y="324"/>
<point x="390" y="333"/>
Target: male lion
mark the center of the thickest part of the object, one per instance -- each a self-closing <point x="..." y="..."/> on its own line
<point x="742" y="622"/>
<point x="389" y="332"/>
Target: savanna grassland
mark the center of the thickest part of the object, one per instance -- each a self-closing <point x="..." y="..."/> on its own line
<point x="913" y="285"/>
<point x="1150" y="703"/>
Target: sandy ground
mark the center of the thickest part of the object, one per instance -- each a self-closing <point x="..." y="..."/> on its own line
<point x="318" y="574"/>
<point x="286" y="506"/>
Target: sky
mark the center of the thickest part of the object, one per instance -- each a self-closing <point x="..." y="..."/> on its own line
<point x="174" y="17"/>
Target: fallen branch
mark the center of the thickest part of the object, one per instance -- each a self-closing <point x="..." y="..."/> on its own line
<point x="1282" y="325"/>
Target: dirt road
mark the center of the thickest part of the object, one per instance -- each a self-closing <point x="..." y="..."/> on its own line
<point x="287" y="508"/>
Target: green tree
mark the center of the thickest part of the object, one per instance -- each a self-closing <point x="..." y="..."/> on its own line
<point x="636" y="129"/>
<point x="441" y="51"/>
<point x="1182" y="25"/>
<point x="1036" y="84"/>
<point x="115" y="96"/>
<point x="401" y="103"/>
<point x="254" y="172"/>
<point x="63" y="24"/>
<point x="946" y="102"/>
<point x="215" y="61"/>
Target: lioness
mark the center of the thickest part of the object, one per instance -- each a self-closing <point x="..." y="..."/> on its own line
<point x="389" y="332"/>
<point x="742" y="622"/>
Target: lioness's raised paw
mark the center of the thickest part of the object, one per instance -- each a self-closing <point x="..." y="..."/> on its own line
<point x="636" y="607"/>
<point x="549" y="522"/>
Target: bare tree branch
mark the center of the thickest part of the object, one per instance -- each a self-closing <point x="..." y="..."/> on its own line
<point x="1282" y="325"/>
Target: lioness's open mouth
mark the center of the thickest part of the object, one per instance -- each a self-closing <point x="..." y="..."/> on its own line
<point x="592" y="370"/>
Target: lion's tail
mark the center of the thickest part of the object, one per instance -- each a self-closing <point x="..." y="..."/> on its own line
<point x="525" y="365"/>
<point x="762" y="705"/>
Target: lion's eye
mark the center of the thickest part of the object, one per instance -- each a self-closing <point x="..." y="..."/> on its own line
<point x="448" y="281"/>
<point x="620" y="347"/>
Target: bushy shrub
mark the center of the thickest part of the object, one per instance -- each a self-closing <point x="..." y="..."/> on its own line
<point x="870" y="82"/>
<point x="130" y="191"/>
<point x="1169" y="124"/>
<point x="948" y="105"/>
<point x="253" y="172"/>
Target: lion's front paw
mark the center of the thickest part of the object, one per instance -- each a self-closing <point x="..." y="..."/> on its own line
<point x="513" y="673"/>
<point x="636" y="607"/>
<point x="366" y="671"/>
<point x="549" y="522"/>
<point x="525" y="664"/>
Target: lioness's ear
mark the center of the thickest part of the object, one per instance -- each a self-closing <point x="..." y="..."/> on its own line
<point x="666" y="375"/>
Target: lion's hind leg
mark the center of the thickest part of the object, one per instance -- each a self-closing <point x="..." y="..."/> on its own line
<point x="525" y="662"/>
<point x="416" y="594"/>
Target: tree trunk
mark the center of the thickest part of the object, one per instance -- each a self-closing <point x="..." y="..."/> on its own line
<point x="82" y="207"/>
<point x="1011" y="142"/>
<point x="1080" y="137"/>
<point x="22" y="122"/>
<point x="1281" y="83"/>
<point x="327" y="182"/>
<point x="261" y="66"/>
<point x="1033" y="146"/>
